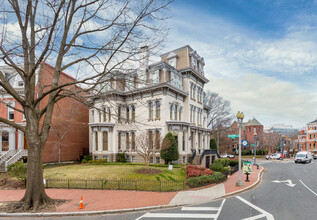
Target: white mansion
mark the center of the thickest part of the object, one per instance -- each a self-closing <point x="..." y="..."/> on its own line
<point x="170" y="99"/>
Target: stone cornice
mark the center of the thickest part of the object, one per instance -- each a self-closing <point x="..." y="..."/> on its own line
<point x="178" y="123"/>
<point x="140" y="91"/>
<point x="101" y="124"/>
<point x="198" y="75"/>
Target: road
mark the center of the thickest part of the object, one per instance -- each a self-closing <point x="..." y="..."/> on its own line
<point x="287" y="191"/>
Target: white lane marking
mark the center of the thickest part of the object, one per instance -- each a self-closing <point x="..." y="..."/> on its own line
<point x="266" y="214"/>
<point x="177" y="215"/>
<point x="220" y="208"/>
<point x="199" y="209"/>
<point x="255" y="217"/>
<point x="308" y="188"/>
<point x="187" y="215"/>
<point x="288" y="182"/>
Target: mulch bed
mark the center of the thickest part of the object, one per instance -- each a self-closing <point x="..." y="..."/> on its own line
<point x="149" y="171"/>
<point x="6" y="183"/>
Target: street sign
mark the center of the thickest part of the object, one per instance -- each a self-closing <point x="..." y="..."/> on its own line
<point x="233" y="136"/>
<point x="252" y="145"/>
<point x="244" y="143"/>
<point x="247" y="167"/>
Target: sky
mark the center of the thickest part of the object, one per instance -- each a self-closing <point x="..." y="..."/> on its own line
<point x="261" y="55"/>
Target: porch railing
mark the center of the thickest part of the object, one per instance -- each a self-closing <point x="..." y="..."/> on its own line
<point x="15" y="158"/>
<point x="6" y="155"/>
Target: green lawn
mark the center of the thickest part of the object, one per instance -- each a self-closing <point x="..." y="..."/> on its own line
<point x="88" y="176"/>
<point x="88" y="171"/>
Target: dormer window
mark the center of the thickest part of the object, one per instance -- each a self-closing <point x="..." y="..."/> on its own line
<point x="193" y="63"/>
<point x="20" y="83"/>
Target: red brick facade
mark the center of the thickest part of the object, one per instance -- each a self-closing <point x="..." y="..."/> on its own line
<point x="75" y="142"/>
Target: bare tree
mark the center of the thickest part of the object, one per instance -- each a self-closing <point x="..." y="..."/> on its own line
<point x="145" y="148"/>
<point x="271" y="141"/>
<point x="219" y="114"/>
<point x="94" y="38"/>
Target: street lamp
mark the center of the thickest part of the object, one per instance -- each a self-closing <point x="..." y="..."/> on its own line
<point x="240" y="117"/>
<point x="255" y="136"/>
<point x="283" y="144"/>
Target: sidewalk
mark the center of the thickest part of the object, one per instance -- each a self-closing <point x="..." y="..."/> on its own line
<point x="102" y="200"/>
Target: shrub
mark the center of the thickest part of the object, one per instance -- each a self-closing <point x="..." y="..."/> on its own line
<point x="86" y="158"/>
<point x="18" y="170"/>
<point x="100" y="161"/>
<point x="217" y="167"/>
<point x="169" y="151"/>
<point x="205" y="180"/>
<point x="246" y="152"/>
<point x="224" y="161"/>
<point x="121" y="158"/>
<point x="213" y="144"/>
<point x="233" y="163"/>
<point x="195" y="171"/>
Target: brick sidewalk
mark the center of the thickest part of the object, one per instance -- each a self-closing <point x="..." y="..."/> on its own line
<point x="230" y="183"/>
<point x="98" y="200"/>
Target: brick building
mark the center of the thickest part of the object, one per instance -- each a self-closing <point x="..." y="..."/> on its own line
<point x="306" y="140"/>
<point x="75" y="140"/>
<point x="247" y="133"/>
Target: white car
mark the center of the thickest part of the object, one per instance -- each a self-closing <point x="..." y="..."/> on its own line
<point x="277" y="156"/>
<point x="224" y="155"/>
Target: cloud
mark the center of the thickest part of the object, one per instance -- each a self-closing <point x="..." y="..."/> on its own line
<point x="270" y="77"/>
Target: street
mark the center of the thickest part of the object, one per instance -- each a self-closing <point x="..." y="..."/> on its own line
<point x="287" y="191"/>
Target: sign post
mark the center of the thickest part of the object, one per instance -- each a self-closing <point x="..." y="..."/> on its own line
<point x="247" y="169"/>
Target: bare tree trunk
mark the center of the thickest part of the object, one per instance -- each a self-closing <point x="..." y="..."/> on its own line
<point x="34" y="193"/>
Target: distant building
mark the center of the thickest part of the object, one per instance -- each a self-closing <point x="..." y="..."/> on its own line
<point x="247" y="133"/>
<point x="282" y="129"/>
<point x="307" y="139"/>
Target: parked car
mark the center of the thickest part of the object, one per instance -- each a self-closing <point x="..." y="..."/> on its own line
<point x="315" y="156"/>
<point x="277" y="156"/>
<point x="224" y="155"/>
<point x="303" y="157"/>
<point x="231" y="156"/>
<point x="268" y="157"/>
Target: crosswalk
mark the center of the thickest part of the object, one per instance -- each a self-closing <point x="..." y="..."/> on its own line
<point x="189" y="212"/>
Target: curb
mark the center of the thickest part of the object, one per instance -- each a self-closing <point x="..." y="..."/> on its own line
<point x="248" y="187"/>
<point x="58" y="214"/>
<point x="52" y="214"/>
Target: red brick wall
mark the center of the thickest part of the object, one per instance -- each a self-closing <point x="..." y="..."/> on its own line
<point x="76" y="140"/>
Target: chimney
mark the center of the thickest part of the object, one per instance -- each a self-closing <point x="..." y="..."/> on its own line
<point x="144" y="63"/>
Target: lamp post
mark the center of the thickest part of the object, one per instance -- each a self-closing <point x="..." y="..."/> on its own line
<point x="283" y="144"/>
<point x="240" y="117"/>
<point x="255" y="136"/>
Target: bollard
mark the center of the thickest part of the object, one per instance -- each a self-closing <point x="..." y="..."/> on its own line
<point x="257" y="166"/>
<point x="247" y="180"/>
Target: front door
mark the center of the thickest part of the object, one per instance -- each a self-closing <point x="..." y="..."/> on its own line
<point x="207" y="161"/>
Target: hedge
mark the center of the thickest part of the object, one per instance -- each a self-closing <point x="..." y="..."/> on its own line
<point x="205" y="180"/>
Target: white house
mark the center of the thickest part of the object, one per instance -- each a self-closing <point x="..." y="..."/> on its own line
<point x="157" y="98"/>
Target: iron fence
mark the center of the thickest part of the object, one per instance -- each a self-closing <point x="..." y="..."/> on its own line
<point x="117" y="184"/>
